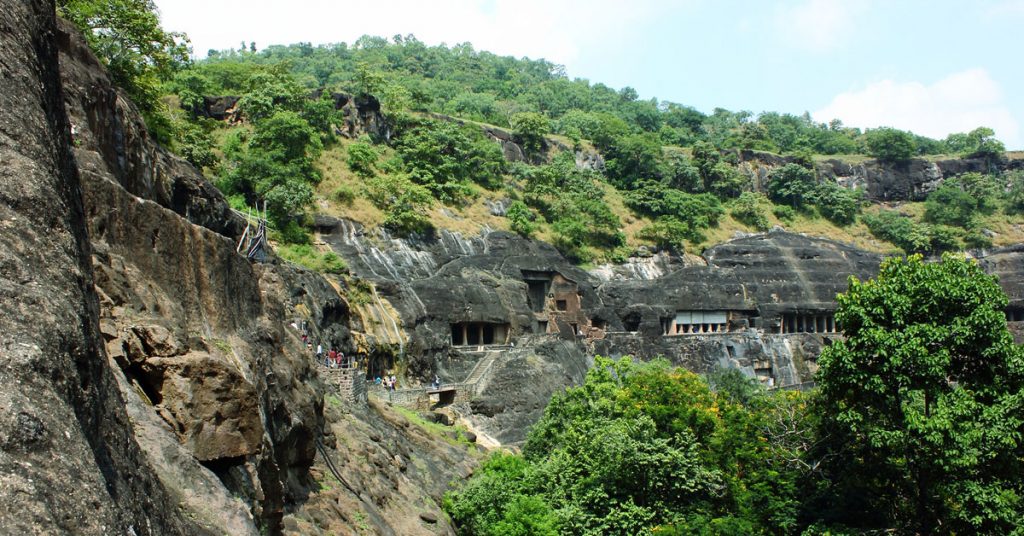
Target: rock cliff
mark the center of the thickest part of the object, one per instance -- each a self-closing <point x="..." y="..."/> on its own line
<point x="69" y="461"/>
<point x="156" y="381"/>
<point x="911" y="180"/>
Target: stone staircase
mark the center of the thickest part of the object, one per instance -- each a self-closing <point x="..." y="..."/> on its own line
<point x="419" y="398"/>
<point x="481" y="369"/>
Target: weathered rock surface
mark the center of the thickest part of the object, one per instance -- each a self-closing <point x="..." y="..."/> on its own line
<point x="911" y="180"/>
<point x="394" y="472"/>
<point x="69" y="461"/>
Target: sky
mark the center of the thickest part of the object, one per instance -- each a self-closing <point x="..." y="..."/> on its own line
<point x="933" y="67"/>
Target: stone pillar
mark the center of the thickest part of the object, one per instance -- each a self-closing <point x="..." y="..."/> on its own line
<point x="465" y="334"/>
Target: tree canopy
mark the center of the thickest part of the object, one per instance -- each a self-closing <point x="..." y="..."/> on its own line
<point x="922" y="407"/>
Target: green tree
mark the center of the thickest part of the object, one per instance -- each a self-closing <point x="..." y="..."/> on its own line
<point x="750" y="210"/>
<point x="978" y="143"/>
<point x="959" y="201"/>
<point x="362" y="158"/>
<point x="890" y="144"/>
<point x="520" y="219"/>
<point x="127" y="37"/>
<point x="274" y="165"/>
<point x="922" y="404"/>
<point x="793" y="185"/>
<point x="529" y="129"/>
<point x="837" y="204"/>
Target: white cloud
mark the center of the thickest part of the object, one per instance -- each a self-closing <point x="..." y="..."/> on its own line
<point x="818" y="25"/>
<point x="959" y="102"/>
<point x="557" y="31"/>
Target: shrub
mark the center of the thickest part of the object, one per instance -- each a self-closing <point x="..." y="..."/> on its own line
<point x="793" y="185"/>
<point x="305" y="255"/>
<point x="890" y="144"/>
<point x="344" y="195"/>
<point x="362" y="158"/>
<point x="784" y="213"/>
<point x="521" y="218"/>
<point x="749" y="210"/>
<point x="669" y="233"/>
<point x="837" y="204"/>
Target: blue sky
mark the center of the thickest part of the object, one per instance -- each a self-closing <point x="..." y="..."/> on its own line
<point x="933" y="67"/>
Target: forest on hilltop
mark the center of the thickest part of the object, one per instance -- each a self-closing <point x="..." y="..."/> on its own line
<point x="669" y="175"/>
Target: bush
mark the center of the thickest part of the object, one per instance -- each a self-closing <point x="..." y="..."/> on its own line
<point x="750" y="210"/>
<point x="837" y="204"/>
<point x="344" y="195"/>
<point x="890" y="144"/>
<point x="362" y="158"/>
<point x="793" y="185"/>
<point x="293" y="233"/>
<point x="305" y="255"/>
<point x="521" y="218"/>
<point x="977" y="240"/>
<point x="669" y="233"/>
<point x="529" y="129"/>
<point x="446" y="158"/>
<point x="406" y="203"/>
<point x="960" y="200"/>
<point x="697" y="211"/>
<point x="784" y="213"/>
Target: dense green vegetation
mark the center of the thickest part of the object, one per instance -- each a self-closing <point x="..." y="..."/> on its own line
<point x="675" y="167"/>
<point x="671" y="173"/>
<point x="917" y="426"/>
<point x="923" y="404"/>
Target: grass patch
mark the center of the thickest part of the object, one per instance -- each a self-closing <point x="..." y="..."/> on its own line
<point x="324" y="262"/>
<point x="222" y="345"/>
<point x="439" y="430"/>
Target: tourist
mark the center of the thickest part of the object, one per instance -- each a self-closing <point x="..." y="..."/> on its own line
<point x="394" y="382"/>
<point x="319" y="351"/>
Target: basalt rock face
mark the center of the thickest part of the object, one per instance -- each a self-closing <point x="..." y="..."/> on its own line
<point x="69" y="461"/>
<point x="205" y="350"/>
<point x="765" y="305"/>
<point x="911" y="180"/>
<point x="361" y="114"/>
<point x="111" y="143"/>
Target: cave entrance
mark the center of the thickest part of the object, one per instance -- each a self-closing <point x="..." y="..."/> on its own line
<point x="479" y="333"/>
<point x="538" y="284"/>
<point x="824" y="322"/>
<point x="631" y="322"/>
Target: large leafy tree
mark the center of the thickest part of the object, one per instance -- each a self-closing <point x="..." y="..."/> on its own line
<point x="274" y="165"/>
<point x="127" y="37"/>
<point x="922" y="404"/>
<point x="890" y="144"/>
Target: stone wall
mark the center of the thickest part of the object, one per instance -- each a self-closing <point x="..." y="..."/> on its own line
<point x="419" y="398"/>
<point x="349" y="383"/>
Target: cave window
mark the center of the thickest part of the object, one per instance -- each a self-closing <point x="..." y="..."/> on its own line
<point x="561" y="305"/>
<point x="631" y="322"/>
<point x="542" y="326"/>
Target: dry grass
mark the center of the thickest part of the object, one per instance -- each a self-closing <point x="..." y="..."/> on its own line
<point x="856" y="234"/>
<point x="852" y="159"/>
<point x="631" y="223"/>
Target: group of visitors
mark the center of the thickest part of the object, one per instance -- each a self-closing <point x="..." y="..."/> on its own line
<point x="390" y="383"/>
<point x="334" y="358"/>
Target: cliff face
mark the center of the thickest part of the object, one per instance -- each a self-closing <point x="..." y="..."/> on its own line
<point x="911" y="180"/>
<point x="68" y="459"/>
<point x="155" y="380"/>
